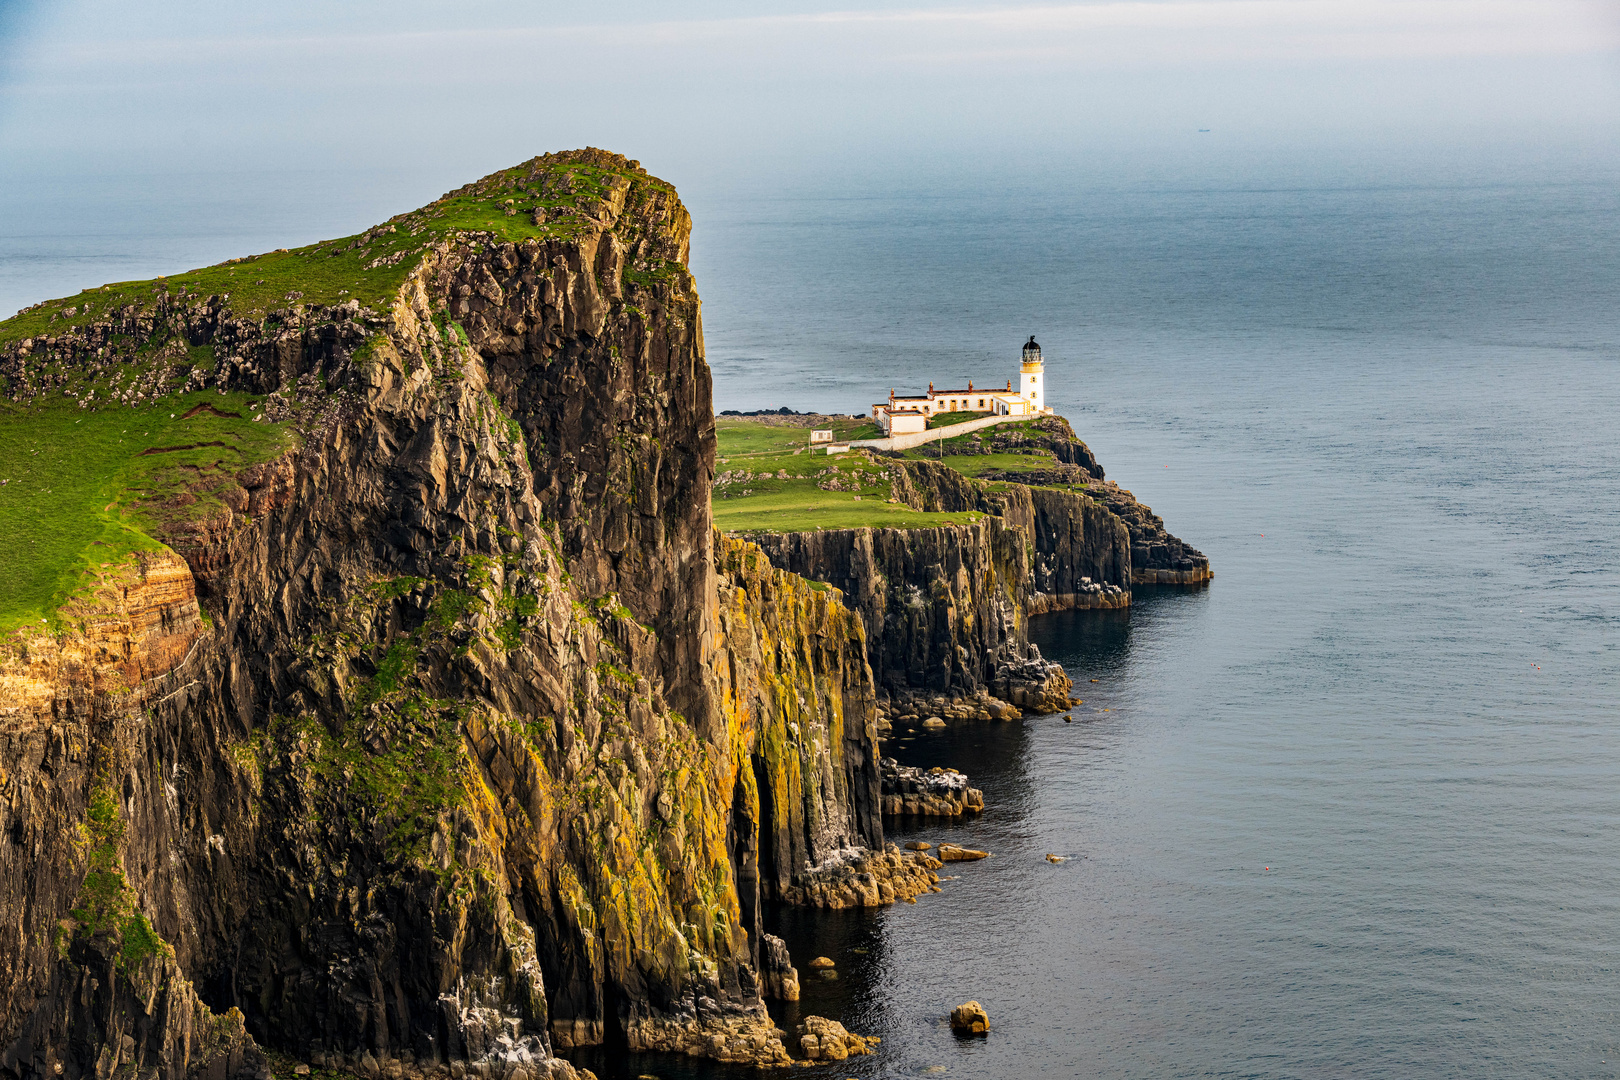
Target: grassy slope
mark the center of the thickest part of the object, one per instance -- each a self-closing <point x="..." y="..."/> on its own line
<point x="83" y="489"/>
<point x="796" y="503"/>
<point x="78" y="493"/>
<point x="368" y="266"/>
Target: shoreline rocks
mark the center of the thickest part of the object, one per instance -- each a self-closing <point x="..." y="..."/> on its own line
<point x="821" y="1039"/>
<point x="936" y="792"/>
<point x="857" y="877"/>
<point x="957" y="853"/>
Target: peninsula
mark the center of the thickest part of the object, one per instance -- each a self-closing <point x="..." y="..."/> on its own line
<point x="382" y="694"/>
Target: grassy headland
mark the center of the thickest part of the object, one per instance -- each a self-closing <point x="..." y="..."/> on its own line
<point x="99" y="454"/>
<point x="540" y="199"/>
<point x="768" y="480"/>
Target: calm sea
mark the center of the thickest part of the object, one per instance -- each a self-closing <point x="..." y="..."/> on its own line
<point x="1354" y="809"/>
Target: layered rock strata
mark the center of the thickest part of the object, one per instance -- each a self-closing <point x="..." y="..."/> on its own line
<point x="481" y="747"/>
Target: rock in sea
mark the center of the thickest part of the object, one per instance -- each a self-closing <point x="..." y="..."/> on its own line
<point x="970" y="1018"/>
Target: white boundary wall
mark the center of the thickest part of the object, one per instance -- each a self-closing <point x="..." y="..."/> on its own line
<point x="917" y="438"/>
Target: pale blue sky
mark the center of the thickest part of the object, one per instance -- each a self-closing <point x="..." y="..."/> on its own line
<point x="111" y="113"/>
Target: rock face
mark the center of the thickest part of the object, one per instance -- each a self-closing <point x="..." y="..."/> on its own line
<point x="479" y="745"/>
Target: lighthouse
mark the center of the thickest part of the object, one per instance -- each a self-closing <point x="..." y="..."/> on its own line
<point x="1032" y="377"/>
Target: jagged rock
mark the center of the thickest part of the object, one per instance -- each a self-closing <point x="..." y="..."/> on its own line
<point x="926" y="793"/>
<point x="821" y="1039"/>
<point x="777" y="976"/>
<point x="1157" y="558"/>
<point x="970" y="1018"/>
<point x="862" y="878"/>
<point x="918" y="845"/>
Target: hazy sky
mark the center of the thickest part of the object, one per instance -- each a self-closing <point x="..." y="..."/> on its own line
<point x="111" y="110"/>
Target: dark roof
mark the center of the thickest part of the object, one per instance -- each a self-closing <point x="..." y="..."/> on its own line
<point x="1031" y="346"/>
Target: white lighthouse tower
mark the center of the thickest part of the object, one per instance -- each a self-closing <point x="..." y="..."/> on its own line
<point x="1032" y="377"/>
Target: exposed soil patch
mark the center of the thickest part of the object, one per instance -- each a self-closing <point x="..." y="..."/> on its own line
<point x="204" y="407"/>
<point x="187" y="446"/>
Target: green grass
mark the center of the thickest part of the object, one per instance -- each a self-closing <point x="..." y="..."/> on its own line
<point x="86" y="488"/>
<point x="743" y="438"/>
<point x="806" y="509"/>
<point x="768" y="501"/>
<point x="949" y="418"/>
<point x="368" y="266"/>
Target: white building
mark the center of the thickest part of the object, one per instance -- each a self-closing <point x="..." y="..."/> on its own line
<point x="903" y="415"/>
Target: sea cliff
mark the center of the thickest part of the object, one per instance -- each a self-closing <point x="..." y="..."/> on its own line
<point x="447" y="733"/>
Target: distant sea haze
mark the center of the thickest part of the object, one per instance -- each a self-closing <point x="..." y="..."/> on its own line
<point x="1389" y="416"/>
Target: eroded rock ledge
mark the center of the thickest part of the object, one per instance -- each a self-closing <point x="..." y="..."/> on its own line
<point x="860" y="877"/>
<point x="934" y="792"/>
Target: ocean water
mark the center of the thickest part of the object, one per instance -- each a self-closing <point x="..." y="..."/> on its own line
<point x="1353" y="809"/>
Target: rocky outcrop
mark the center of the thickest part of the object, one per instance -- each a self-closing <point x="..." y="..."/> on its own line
<point x="821" y="1039"/>
<point x="1157" y="558"/>
<point x="969" y="1018"/>
<point x="935" y="792"/>
<point x="946" y="608"/>
<point x="479" y="746"/>
<point x="778" y="978"/>
<point x="859" y="877"/>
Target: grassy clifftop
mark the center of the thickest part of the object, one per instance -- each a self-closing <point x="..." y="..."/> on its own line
<point x="554" y="196"/>
<point x="81" y="490"/>
<point x="768" y="480"/>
